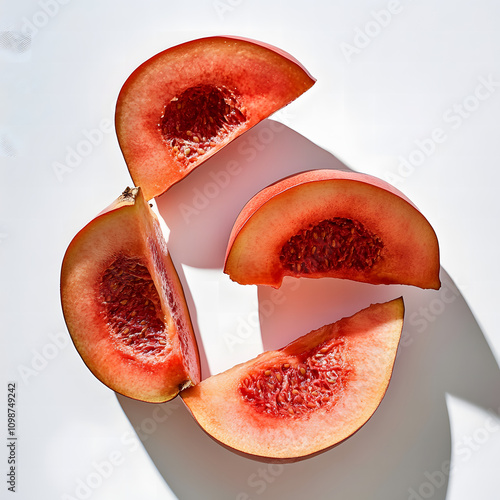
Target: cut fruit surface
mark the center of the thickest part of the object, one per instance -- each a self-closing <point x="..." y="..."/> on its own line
<point x="331" y="223"/>
<point x="184" y="104"/>
<point x="124" y="304"/>
<point x="296" y="402"/>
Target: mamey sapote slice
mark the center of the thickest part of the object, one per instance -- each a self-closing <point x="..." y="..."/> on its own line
<point x="184" y="104"/>
<point x="296" y="402"/>
<point x="332" y="223"/>
<point x="124" y="304"/>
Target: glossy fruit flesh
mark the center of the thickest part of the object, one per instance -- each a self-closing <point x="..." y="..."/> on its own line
<point x="132" y="306"/>
<point x="184" y="104"/>
<point x="330" y="245"/>
<point x="309" y="381"/>
<point x="328" y="223"/>
<point x="293" y="403"/>
<point x="198" y="120"/>
<point x="124" y="304"/>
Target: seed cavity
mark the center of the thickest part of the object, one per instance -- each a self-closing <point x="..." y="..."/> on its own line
<point x="132" y="307"/>
<point x="332" y="244"/>
<point x="305" y="383"/>
<point x="198" y="119"/>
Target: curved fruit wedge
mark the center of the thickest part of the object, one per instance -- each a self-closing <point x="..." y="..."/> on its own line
<point x="296" y="402"/>
<point x="184" y="104"/>
<point x="124" y="305"/>
<point x="332" y="223"/>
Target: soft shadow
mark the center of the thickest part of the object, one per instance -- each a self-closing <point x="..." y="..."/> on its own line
<point x="205" y="371"/>
<point x="201" y="209"/>
<point x="442" y="351"/>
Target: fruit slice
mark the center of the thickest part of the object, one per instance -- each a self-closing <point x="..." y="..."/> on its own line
<point x="296" y="402"/>
<point x="184" y="104"/>
<point x="124" y="304"/>
<point x="332" y="223"/>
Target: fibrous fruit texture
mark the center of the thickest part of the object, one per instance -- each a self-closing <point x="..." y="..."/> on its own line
<point x="331" y="223"/>
<point x="184" y="104"/>
<point x="124" y="304"/>
<point x="296" y="402"/>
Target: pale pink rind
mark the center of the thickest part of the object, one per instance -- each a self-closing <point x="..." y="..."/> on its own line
<point x="217" y="405"/>
<point x="275" y="214"/>
<point x="127" y="226"/>
<point x="263" y="77"/>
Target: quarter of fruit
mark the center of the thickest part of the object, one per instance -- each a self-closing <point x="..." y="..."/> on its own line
<point x="296" y="402"/>
<point x="336" y="224"/>
<point x="124" y="304"/>
<point x="184" y="104"/>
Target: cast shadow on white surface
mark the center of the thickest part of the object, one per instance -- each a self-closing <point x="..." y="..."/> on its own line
<point x="406" y="442"/>
<point x="201" y="209"/>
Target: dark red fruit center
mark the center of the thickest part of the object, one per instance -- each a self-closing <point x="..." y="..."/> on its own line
<point x="330" y="245"/>
<point x="196" y="120"/>
<point x="304" y="384"/>
<point x="132" y="306"/>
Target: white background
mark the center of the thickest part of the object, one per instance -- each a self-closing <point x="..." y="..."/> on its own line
<point x="397" y="81"/>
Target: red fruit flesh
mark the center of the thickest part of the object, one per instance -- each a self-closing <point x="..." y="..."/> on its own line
<point x="124" y="304"/>
<point x="132" y="306"/>
<point x="315" y="380"/>
<point x="328" y="223"/>
<point x="301" y="400"/>
<point x="184" y="104"/>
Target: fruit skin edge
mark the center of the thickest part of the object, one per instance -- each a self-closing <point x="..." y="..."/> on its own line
<point x="131" y="199"/>
<point x="259" y="231"/>
<point x="148" y="166"/>
<point x="284" y="460"/>
<point x="299" y="458"/>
